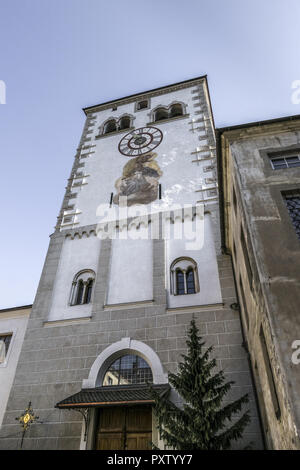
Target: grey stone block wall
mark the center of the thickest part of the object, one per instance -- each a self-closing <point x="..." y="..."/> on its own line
<point x="55" y="359"/>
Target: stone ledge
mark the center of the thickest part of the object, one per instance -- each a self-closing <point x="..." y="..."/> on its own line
<point x="66" y="321"/>
<point x="167" y="120"/>
<point x="128" y="305"/>
<point x="196" y="308"/>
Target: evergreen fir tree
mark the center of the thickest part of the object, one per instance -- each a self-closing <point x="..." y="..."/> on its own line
<point x="203" y="423"/>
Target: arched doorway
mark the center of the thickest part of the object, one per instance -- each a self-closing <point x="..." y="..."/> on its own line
<point x="115" y="399"/>
<point x="127" y="427"/>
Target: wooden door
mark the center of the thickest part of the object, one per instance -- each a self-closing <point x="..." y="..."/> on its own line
<point x="125" y="428"/>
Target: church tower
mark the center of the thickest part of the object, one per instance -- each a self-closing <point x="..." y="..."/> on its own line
<point x="136" y="254"/>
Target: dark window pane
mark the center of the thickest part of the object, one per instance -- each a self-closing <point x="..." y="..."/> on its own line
<point x="125" y="123"/>
<point x="88" y="294"/>
<point x="179" y="282"/>
<point x="161" y="114"/>
<point x="79" y="293"/>
<point x="142" y="104"/>
<point x="4" y="340"/>
<point x="110" y="126"/>
<point x="176" y="110"/>
<point x="279" y="163"/>
<point x="293" y="164"/>
<point x="190" y="282"/>
<point x="280" y="167"/>
<point x="127" y="370"/>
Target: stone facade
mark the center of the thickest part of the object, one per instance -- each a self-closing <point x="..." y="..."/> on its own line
<point x="259" y="235"/>
<point x="63" y="342"/>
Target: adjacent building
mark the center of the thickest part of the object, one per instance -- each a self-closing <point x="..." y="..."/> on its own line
<point x="259" y="177"/>
<point x="13" y="323"/>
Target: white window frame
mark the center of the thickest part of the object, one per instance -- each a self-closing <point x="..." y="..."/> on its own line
<point x="184" y="265"/>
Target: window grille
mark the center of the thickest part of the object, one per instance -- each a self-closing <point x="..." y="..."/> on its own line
<point x="128" y="370"/>
<point x="282" y="162"/>
<point x="292" y="201"/>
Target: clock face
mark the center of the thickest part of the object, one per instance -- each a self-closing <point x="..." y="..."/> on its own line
<point x="140" y="141"/>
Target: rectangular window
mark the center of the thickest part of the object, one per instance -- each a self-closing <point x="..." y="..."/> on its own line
<point x="246" y="257"/>
<point x="210" y="180"/>
<point x="270" y="375"/>
<point x="70" y="207"/>
<point x="212" y="192"/>
<point x="234" y="201"/>
<point x="4" y="345"/>
<point x="292" y="200"/>
<point x="77" y="181"/>
<point x="287" y="161"/>
<point x="234" y="251"/>
<point x="244" y="303"/>
<point x="142" y="104"/>
<point x="208" y="168"/>
<point x="68" y="219"/>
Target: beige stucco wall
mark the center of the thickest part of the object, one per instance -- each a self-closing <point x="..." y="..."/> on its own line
<point x="273" y="296"/>
<point x="11" y="321"/>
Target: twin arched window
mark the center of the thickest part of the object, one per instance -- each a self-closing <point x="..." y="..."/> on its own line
<point x="167" y="112"/>
<point x="114" y="125"/>
<point x="184" y="277"/>
<point x="82" y="287"/>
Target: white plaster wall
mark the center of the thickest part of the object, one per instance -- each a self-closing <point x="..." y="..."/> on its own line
<point x="17" y="326"/>
<point x="180" y="176"/>
<point x="131" y="270"/>
<point x="210" y="290"/>
<point x="76" y="255"/>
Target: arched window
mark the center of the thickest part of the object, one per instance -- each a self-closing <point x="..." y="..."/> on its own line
<point x="125" y="122"/>
<point x="184" y="277"/>
<point x="110" y="126"/>
<point x="176" y="110"/>
<point x="160" y="114"/>
<point x="82" y="287"/>
<point x="128" y="370"/>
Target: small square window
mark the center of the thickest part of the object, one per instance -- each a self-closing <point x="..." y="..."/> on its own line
<point x="212" y="192"/>
<point x="78" y="182"/>
<point x="143" y="104"/>
<point x="4" y="346"/>
<point x="208" y="168"/>
<point x="68" y="219"/>
<point x="70" y="207"/>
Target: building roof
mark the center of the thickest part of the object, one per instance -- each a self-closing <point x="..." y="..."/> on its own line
<point x="294" y="117"/>
<point x="129" y="97"/>
<point x="22" y="307"/>
<point x="113" y="395"/>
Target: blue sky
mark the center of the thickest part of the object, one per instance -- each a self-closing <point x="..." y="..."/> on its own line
<point x="58" y="56"/>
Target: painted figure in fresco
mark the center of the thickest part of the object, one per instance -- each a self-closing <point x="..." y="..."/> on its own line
<point x="139" y="181"/>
